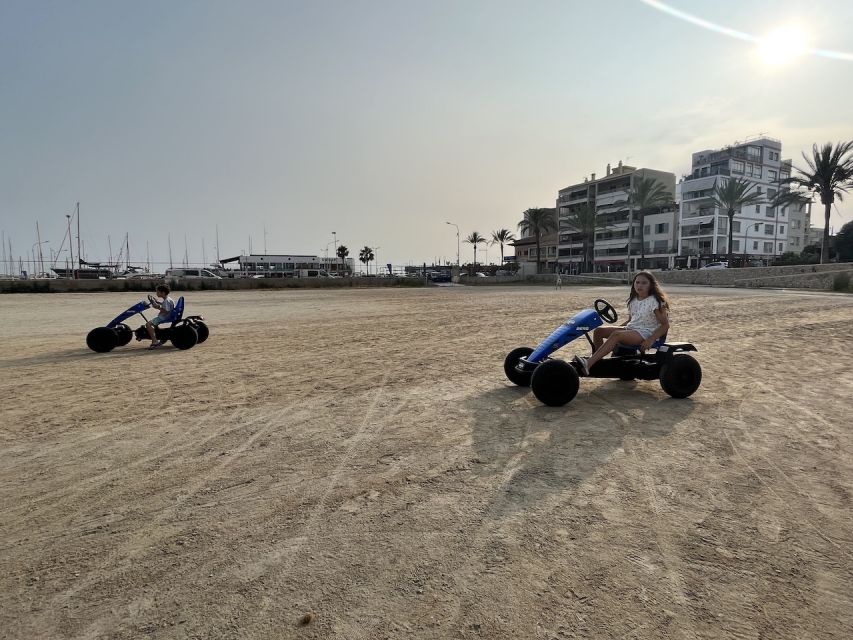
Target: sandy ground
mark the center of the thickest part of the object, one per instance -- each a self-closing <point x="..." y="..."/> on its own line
<point x="360" y="457"/>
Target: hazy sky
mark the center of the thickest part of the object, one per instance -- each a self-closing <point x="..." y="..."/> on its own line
<point x="377" y="119"/>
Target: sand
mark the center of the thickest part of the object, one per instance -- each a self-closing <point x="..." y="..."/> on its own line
<point x="353" y="464"/>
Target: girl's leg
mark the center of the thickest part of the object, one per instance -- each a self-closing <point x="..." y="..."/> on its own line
<point x="626" y="337"/>
<point x="601" y="334"/>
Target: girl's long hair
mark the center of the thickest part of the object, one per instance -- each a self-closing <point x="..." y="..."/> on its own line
<point x="654" y="289"/>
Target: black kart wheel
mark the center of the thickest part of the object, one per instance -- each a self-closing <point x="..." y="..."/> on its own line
<point x="184" y="336"/>
<point x="102" y="339"/>
<point x="681" y="375"/>
<point x="555" y="383"/>
<point x="606" y="311"/>
<point x="124" y="334"/>
<point x="521" y="378"/>
<point x="202" y="331"/>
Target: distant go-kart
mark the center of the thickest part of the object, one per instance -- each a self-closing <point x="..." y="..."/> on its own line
<point x="556" y="382"/>
<point x="184" y="333"/>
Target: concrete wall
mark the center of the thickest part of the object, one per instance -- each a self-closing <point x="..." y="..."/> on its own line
<point x="823" y="277"/>
<point x="230" y="284"/>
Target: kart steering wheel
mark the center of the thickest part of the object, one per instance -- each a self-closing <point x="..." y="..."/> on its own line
<point x="606" y="311"/>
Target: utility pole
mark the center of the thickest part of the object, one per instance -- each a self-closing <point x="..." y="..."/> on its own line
<point x="79" y="252"/>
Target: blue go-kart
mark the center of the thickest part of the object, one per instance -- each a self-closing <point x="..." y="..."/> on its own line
<point x="183" y="332"/>
<point x="556" y="382"/>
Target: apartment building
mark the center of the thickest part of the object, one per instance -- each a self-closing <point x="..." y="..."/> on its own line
<point x="799" y="224"/>
<point x="618" y="235"/>
<point x="759" y="231"/>
<point x="525" y="254"/>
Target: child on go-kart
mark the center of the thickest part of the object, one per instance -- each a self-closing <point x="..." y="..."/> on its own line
<point x="648" y="320"/>
<point x="166" y="306"/>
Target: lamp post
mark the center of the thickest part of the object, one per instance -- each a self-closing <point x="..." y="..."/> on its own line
<point x="335" y="242"/>
<point x="457" y="242"/>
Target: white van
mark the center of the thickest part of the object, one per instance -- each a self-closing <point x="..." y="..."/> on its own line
<point x="191" y="274"/>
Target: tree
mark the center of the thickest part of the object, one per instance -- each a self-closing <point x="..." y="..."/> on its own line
<point x="538" y="222"/>
<point x="731" y="195"/>
<point x="342" y="253"/>
<point x="844" y="243"/>
<point x="583" y="220"/>
<point x="475" y="238"/>
<point x="829" y="175"/>
<point x="502" y="237"/>
<point x="646" y="195"/>
<point x="365" y="256"/>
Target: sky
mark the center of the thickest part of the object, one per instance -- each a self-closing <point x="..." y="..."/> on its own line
<point x="292" y="125"/>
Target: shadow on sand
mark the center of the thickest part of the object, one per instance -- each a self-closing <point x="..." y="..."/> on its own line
<point x="132" y="350"/>
<point x="533" y="450"/>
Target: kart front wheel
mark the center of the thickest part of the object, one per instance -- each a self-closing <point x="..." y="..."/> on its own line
<point x="555" y="383"/>
<point x="681" y="375"/>
<point x="102" y="339"/>
<point x="202" y="331"/>
<point x="184" y="336"/>
<point x="521" y="378"/>
<point x="124" y="334"/>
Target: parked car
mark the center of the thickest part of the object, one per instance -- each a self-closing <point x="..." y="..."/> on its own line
<point x="716" y="265"/>
<point x="191" y="273"/>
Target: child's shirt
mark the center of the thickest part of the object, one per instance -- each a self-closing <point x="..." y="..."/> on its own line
<point x="166" y="307"/>
<point x="643" y="316"/>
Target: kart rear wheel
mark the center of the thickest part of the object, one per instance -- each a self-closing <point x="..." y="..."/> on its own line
<point x="202" y="331"/>
<point x="184" y="336"/>
<point x="124" y="334"/>
<point x="102" y="339"/>
<point x="521" y="378"/>
<point x="681" y="375"/>
<point x="555" y="383"/>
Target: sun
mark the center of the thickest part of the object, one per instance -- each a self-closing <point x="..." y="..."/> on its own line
<point x="782" y="45"/>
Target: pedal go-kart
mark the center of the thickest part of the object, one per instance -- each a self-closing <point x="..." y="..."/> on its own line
<point x="556" y="382"/>
<point x="184" y="333"/>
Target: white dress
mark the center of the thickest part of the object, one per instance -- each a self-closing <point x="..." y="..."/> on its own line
<point x="643" y="319"/>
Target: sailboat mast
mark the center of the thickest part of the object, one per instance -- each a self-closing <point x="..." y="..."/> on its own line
<point x="79" y="253"/>
<point x="41" y="255"/>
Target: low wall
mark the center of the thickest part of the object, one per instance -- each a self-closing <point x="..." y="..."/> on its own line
<point x="60" y="285"/>
<point x="823" y="277"/>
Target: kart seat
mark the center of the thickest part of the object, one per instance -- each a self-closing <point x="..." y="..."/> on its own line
<point x="627" y="350"/>
<point x="177" y="312"/>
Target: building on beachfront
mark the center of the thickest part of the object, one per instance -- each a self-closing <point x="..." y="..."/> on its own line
<point x="525" y="254"/>
<point x="619" y="243"/>
<point x="288" y="266"/>
<point x="799" y="224"/>
<point x="759" y="231"/>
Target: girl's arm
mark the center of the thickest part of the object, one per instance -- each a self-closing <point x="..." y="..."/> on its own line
<point x="661" y="331"/>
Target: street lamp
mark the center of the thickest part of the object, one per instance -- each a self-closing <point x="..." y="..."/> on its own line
<point x="335" y="241"/>
<point x="457" y="242"/>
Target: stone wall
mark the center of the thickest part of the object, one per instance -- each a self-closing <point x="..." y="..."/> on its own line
<point x="205" y="284"/>
<point x="824" y="277"/>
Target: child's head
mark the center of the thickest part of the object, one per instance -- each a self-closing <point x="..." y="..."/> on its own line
<point x="645" y="284"/>
<point x="163" y="290"/>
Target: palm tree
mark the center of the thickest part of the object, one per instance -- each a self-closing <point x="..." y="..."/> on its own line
<point x="829" y="175"/>
<point x="538" y="222"/>
<point x="365" y="256"/>
<point x="502" y="237"/>
<point x="731" y="195"/>
<point x="475" y="238"/>
<point x="583" y="220"/>
<point x="342" y="253"/>
<point x="645" y="195"/>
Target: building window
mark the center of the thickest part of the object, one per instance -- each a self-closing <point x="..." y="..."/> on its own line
<point x="770" y="211"/>
<point x="768" y="229"/>
<point x="771" y="193"/>
<point x="780" y="248"/>
<point x="768" y="247"/>
<point x="647" y="229"/>
<point x="771" y="174"/>
<point x="736" y="226"/>
<point x="737" y="167"/>
<point x="662" y="227"/>
<point x="797" y="241"/>
<point x="757" y="227"/>
<point x="781" y="228"/>
<point x="735" y="245"/>
<point x="755" y="245"/>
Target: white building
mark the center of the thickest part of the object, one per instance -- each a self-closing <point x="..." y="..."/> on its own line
<point x="759" y="231"/>
<point x="619" y="223"/>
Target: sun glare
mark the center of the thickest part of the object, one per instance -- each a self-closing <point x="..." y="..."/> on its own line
<point x="782" y="45"/>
